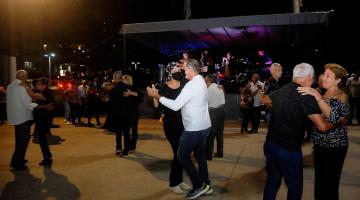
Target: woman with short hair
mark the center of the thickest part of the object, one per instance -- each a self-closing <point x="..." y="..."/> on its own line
<point x="330" y="147"/>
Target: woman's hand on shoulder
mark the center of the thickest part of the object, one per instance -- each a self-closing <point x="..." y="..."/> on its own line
<point x="309" y="91"/>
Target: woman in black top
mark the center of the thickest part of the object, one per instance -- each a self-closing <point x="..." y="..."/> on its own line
<point x="173" y="127"/>
<point x="133" y="97"/>
<point x="43" y="120"/>
<point x="330" y="147"/>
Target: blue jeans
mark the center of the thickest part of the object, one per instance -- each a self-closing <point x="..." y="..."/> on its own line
<point x="283" y="163"/>
<point x="194" y="141"/>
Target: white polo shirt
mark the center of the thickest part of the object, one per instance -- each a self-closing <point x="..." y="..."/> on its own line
<point x="193" y="102"/>
<point x="19" y="105"/>
<point x="216" y="96"/>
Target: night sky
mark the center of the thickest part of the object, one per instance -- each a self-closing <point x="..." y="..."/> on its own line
<point x="94" y="23"/>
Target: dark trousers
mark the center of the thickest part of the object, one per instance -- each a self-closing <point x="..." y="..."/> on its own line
<point x="217" y="117"/>
<point x="173" y="134"/>
<point x="2" y="112"/>
<point x="43" y="129"/>
<point x="328" y="166"/>
<point x="247" y="115"/>
<point x="267" y="116"/>
<point x="281" y="163"/>
<point x="134" y="129"/>
<point x="123" y="131"/>
<point x="255" y="120"/>
<point x="22" y="138"/>
<point x="93" y="110"/>
<point x="194" y="141"/>
<point x="75" y="112"/>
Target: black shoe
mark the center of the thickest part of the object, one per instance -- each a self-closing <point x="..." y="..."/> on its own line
<point x="123" y="155"/>
<point x="245" y="131"/>
<point x="54" y="126"/>
<point x="19" y="167"/>
<point x="118" y="152"/>
<point x="46" y="162"/>
<point x="218" y="155"/>
<point x="195" y="193"/>
<point x="253" y="131"/>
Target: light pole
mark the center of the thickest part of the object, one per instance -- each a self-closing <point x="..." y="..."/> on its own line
<point x="135" y="64"/>
<point x="49" y="56"/>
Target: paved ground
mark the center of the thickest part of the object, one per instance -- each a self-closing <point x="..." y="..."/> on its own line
<point x="85" y="167"/>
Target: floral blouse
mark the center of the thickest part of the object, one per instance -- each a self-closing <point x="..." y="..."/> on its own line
<point x="338" y="136"/>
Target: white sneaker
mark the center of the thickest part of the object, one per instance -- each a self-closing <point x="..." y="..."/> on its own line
<point x="185" y="186"/>
<point x="68" y="122"/>
<point x="210" y="191"/>
<point x="177" y="190"/>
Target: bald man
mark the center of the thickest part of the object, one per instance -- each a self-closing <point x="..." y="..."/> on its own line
<point x="19" y="113"/>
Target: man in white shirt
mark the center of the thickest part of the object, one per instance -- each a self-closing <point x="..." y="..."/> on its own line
<point x="19" y="113"/>
<point x="256" y="87"/>
<point x="195" y="116"/>
<point x="82" y="91"/>
<point x="216" y="100"/>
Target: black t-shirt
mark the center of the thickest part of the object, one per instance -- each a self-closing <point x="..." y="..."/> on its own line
<point x="118" y="106"/>
<point x="134" y="101"/>
<point x="170" y="115"/>
<point x="289" y="114"/>
<point x="272" y="85"/>
<point x="40" y="114"/>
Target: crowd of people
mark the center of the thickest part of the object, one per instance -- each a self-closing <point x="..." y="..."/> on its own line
<point x="192" y="107"/>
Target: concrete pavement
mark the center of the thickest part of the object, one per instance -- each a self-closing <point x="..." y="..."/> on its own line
<point x="85" y="167"/>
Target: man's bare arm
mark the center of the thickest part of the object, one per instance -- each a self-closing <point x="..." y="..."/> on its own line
<point x="320" y="123"/>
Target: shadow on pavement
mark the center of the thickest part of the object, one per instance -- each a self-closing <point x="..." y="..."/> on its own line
<point x="143" y="136"/>
<point x="157" y="195"/>
<point x="27" y="186"/>
<point x="158" y="167"/>
<point x="52" y="140"/>
<point x="239" y="186"/>
<point x="150" y="136"/>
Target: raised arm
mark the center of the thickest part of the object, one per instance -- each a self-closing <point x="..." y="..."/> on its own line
<point x="33" y="95"/>
<point x="324" y="106"/>
<point x="156" y="103"/>
<point x="26" y="100"/>
<point x="174" y="105"/>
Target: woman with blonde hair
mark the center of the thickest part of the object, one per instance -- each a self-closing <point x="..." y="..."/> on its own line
<point x="133" y="98"/>
<point x="330" y="147"/>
